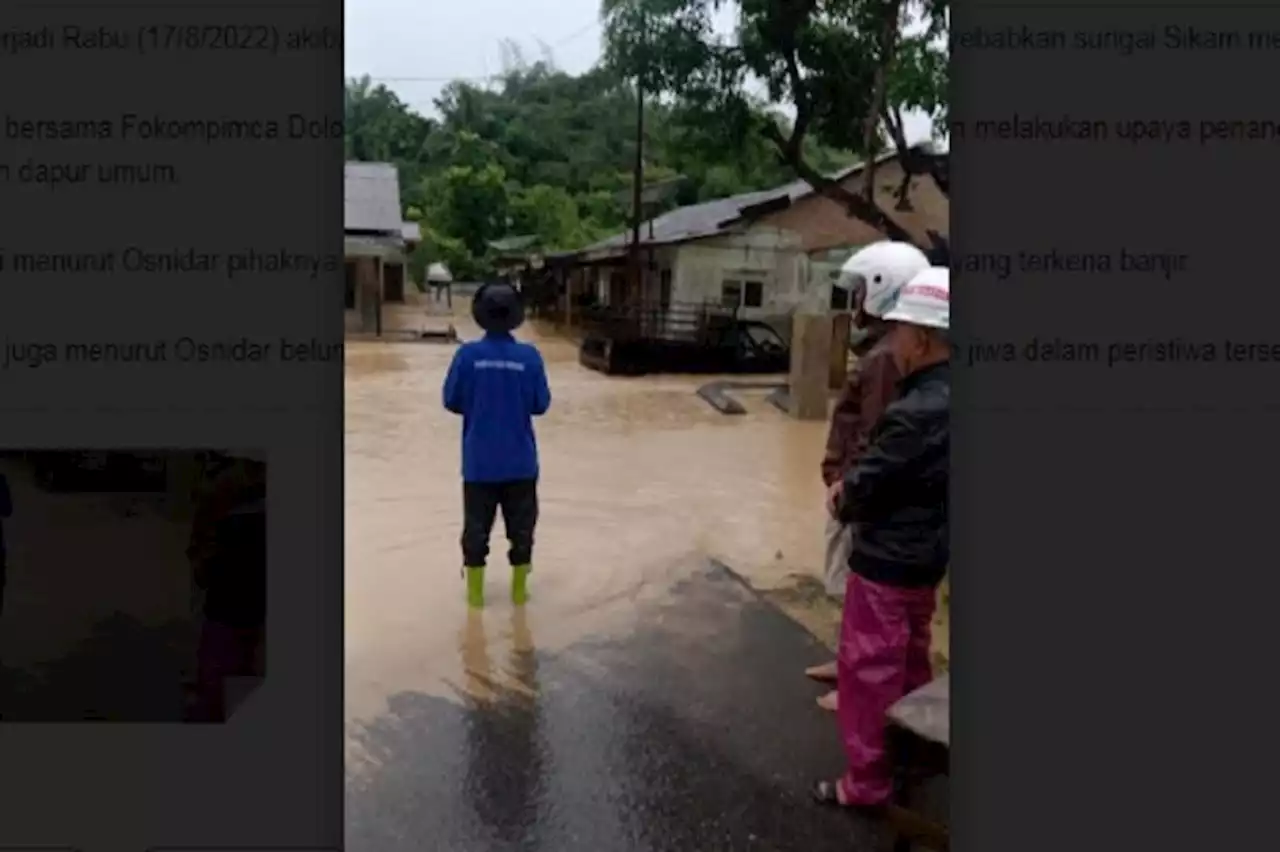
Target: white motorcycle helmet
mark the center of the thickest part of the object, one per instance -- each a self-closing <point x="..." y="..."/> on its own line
<point x="925" y="301"/>
<point x="880" y="271"/>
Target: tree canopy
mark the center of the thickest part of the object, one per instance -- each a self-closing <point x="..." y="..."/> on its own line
<point x="538" y="152"/>
<point x="849" y="70"/>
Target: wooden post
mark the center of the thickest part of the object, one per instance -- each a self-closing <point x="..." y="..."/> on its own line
<point x="367" y="295"/>
<point x="637" y="191"/>
<point x="810" y="366"/>
<point x="841" y="327"/>
<point x="568" y="298"/>
<point x="381" y="292"/>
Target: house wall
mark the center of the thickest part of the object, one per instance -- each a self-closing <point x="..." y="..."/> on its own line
<point x="662" y="258"/>
<point x="823" y="271"/>
<point x="763" y="253"/>
<point x="767" y="253"/>
<point x="363" y="317"/>
<point x="824" y="224"/>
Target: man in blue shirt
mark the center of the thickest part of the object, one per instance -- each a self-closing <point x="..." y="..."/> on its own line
<point x="498" y="385"/>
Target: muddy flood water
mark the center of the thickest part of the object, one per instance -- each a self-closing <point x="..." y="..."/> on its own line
<point x="641" y="480"/>
<point x="650" y="697"/>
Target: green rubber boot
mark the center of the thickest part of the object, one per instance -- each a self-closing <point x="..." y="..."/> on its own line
<point x="475" y="586"/>
<point x="520" y="584"/>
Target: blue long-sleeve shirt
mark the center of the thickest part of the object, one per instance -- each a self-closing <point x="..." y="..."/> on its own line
<point x="498" y="385"/>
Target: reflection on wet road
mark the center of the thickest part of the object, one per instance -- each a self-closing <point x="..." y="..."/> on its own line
<point x="684" y="735"/>
<point x="659" y="708"/>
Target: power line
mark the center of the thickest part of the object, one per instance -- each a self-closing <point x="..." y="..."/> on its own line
<point x="576" y="34"/>
<point x="467" y="78"/>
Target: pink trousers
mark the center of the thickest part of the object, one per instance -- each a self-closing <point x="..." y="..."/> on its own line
<point x="884" y="655"/>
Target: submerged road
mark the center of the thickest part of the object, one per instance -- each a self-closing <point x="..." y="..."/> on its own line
<point x="644" y="699"/>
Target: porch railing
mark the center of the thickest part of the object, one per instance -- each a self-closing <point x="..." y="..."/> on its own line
<point x="678" y="321"/>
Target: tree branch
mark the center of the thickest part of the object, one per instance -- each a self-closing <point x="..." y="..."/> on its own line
<point x="788" y="26"/>
<point x="892" y="119"/>
<point x="791" y="146"/>
<point x="915" y="159"/>
<point x="856" y="204"/>
<point x="888" y="40"/>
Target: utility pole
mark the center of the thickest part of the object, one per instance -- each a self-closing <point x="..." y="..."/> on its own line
<point x="637" y="185"/>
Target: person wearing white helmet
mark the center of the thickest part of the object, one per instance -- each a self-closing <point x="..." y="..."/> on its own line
<point x="896" y="500"/>
<point x="874" y="275"/>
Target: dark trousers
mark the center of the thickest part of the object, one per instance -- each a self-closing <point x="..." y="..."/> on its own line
<point x="518" y="500"/>
<point x="3" y="578"/>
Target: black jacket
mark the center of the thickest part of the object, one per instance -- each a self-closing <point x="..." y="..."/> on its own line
<point x="896" y="497"/>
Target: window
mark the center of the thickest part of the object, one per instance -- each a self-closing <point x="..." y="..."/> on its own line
<point x="764" y="336"/>
<point x="731" y="294"/>
<point x="839" y="298"/>
<point x="664" y="289"/>
<point x="744" y="290"/>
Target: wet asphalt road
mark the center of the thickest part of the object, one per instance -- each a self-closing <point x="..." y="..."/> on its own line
<point x="696" y="731"/>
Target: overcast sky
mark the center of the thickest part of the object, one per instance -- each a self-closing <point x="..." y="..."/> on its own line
<point x="415" y="47"/>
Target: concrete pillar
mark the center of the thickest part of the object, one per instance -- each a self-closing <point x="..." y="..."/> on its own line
<point x="810" y="366"/>
<point x="841" y="327"/>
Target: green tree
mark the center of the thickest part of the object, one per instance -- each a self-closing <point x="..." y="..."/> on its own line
<point x="539" y="151"/>
<point x="550" y="213"/>
<point x="380" y="128"/>
<point x="468" y="199"/>
<point x="849" y="69"/>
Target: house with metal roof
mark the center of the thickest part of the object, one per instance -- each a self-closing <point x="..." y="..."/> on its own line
<point x="760" y="254"/>
<point x="376" y="245"/>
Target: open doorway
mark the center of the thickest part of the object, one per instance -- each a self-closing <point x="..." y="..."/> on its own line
<point x="393" y="283"/>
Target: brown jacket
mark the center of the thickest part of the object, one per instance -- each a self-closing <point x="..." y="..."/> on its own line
<point x="872" y="385"/>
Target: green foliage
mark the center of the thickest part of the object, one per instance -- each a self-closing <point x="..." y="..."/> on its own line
<point x="821" y="57"/>
<point x="845" y="67"/>
<point x="544" y="153"/>
<point x="437" y="247"/>
<point x="553" y="215"/>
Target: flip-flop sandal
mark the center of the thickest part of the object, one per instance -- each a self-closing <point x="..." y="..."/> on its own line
<point x="827" y="794"/>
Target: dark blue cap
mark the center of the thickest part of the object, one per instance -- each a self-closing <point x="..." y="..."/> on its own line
<point x="497" y="307"/>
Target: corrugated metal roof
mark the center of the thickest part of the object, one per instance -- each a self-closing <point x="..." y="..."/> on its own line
<point x="369" y="246"/>
<point x="700" y="220"/>
<point x="516" y="243"/>
<point x="711" y="218"/>
<point x="371" y="198"/>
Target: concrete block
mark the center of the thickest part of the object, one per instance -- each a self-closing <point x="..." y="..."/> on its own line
<point x="810" y="366"/>
<point x="841" y="327"/>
